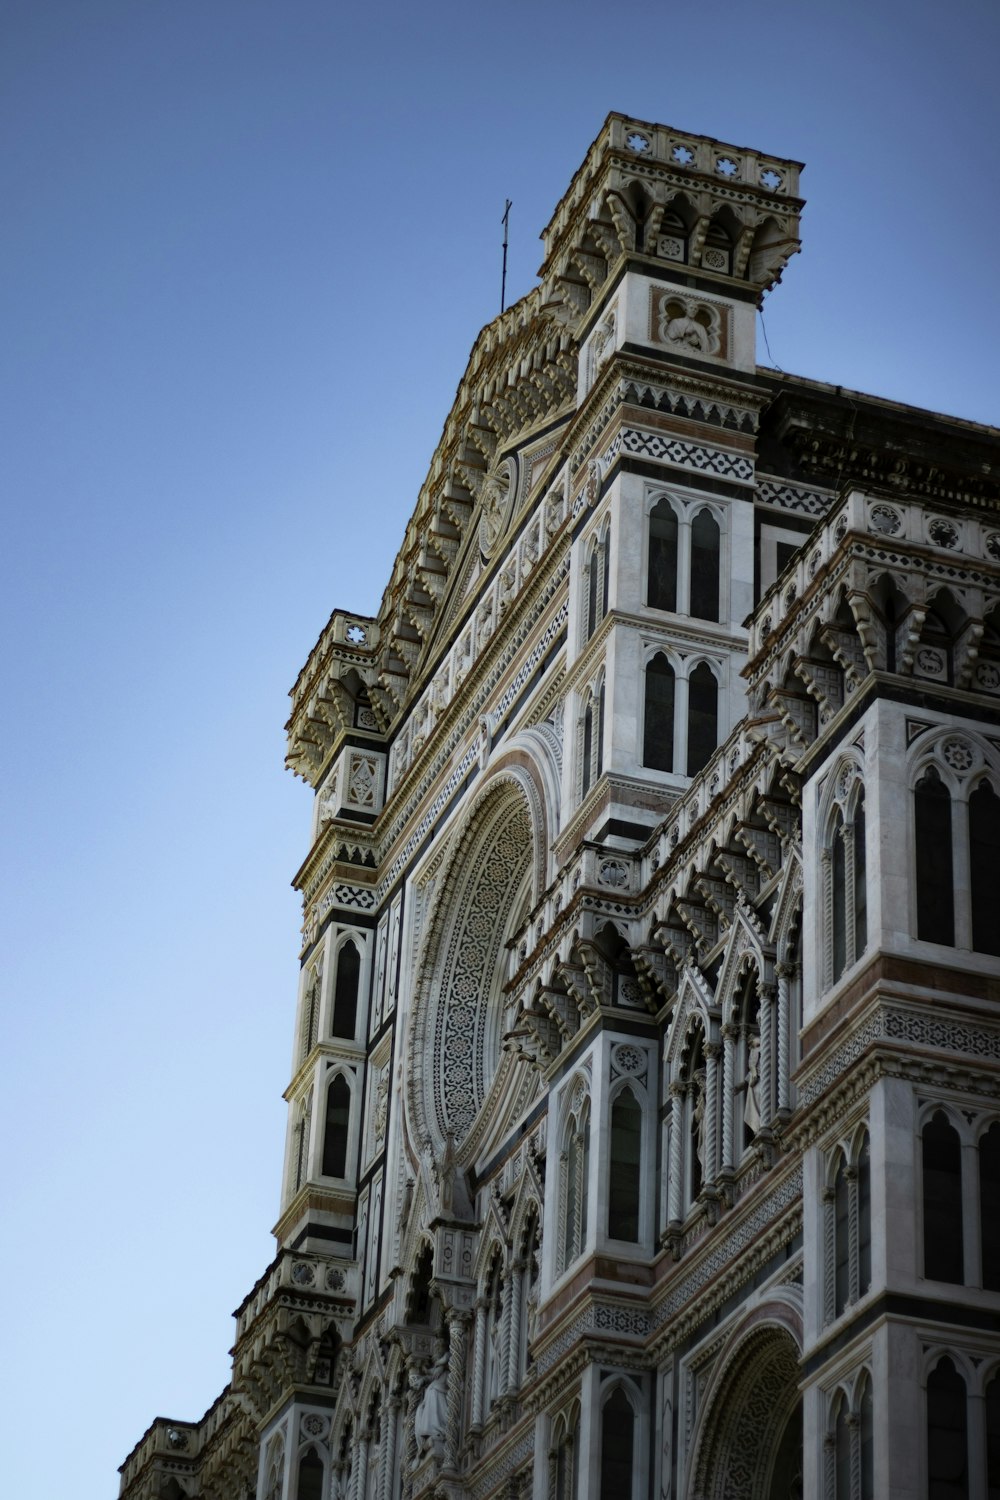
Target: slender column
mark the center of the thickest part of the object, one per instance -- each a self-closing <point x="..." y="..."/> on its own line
<point x="829" y="1255"/>
<point x="458" y="1319"/>
<point x="360" y="1468"/>
<point x="387" y="1467"/>
<point x="766" y="992"/>
<point x="413" y="1391"/>
<point x="675" y="1169"/>
<point x="513" y="1347"/>
<point x="479" y="1364"/>
<point x="976" y="1408"/>
<point x="680" y="724"/>
<point x="826" y="886"/>
<point x="851" y="1174"/>
<point x="712" y="1051"/>
<point x="730" y="1154"/>
<point x="784" y="973"/>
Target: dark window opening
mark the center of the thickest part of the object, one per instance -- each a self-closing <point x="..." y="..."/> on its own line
<point x="984" y="862"/>
<point x="935" y="885"/>
<point x="345" y="996"/>
<point x="624" y="1176"/>
<point x="947" y="1435"/>
<point x="658" y="728"/>
<point x="942" y="1181"/>
<point x="705" y="566"/>
<point x="661" y="590"/>
<point x="338" y="1114"/>
<point x="617" y="1425"/>
<point x="703" y="717"/>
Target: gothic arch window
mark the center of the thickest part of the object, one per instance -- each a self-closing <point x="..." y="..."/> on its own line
<point x="575" y="1187"/>
<point x="847" y="1233"/>
<point x="275" y="1466"/>
<point x="932" y="839"/>
<point x="336" y="1126"/>
<point x="661" y="586"/>
<point x="345" y="992"/>
<point x="311" y="991"/>
<point x="625" y="1167"/>
<point x="565" y="1459"/>
<point x="941" y="1171"/>
<point x="705" y="555"/>
<point x="988" y="1157"/>
<point x="299" y="1163"/>
<point x="992" y="1412"/>
<point x="694" y="1122"/>
<point x="703" y="717"/>
<point x="618" y="1442"/>
<point x="598" y="579"/>
<point x="984" y="863"/>
<point x="850" y="1468"/>
<point x="311" y="1476"/>
<point x="658" y="717"/>
<point x="592" y="738"/>
<point x="846" y="880"/>
<point x="947" y="1433"/>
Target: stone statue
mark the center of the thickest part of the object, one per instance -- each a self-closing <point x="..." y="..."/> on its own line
<point x="751" y="1107"/>
<point x="431" y="1426"/>
<point x="700" y="1140"/>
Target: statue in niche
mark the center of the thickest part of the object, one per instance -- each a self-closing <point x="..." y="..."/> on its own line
<point x="751" y="1106"/>
<point x="431" y="1424"/>
<point x="700" y="1138"/>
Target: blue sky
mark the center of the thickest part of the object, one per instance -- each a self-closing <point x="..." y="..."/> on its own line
<point x="247" y="247"/>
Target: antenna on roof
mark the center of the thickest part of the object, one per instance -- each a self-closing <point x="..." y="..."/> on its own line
<point x="503" y="278"/>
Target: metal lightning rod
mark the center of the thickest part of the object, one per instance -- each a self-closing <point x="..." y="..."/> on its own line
<point x="503" y="279"/>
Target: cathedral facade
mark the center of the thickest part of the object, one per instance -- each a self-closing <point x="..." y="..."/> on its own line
<point x="643" y="1124"/>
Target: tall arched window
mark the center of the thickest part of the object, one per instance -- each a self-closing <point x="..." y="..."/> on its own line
<point x="493" y="1370"/>
<point x="575" y="1191"/>
<point x="310" y="1013"/>
<point x="705" y="566"/>
<point x="624" y="1178"/>
<point x="617" y="1442"/>
<point x="658" y="724"/>
<point x="866" y="1413"/>
<point x="942" y="1192"/>
<point x="588" y="748"/>
<point x="593" y="586"/>
<point x="842" y="1449"/>
<point x="600" y="729"/>
<point x="935" y="883"/>
<point x="310" y="1486"/>
<point x="661" y="592"/>
<point x="566" y="1443"/>
<point x="848" y="895"/>
<point x="841" y="1237"/>
<point x="947" y="1434"/>
<point x="989" y="1206"/>
<point x="993" y="1438"/>
<point x="703" y="717"/>
<point x="984" y="862"/>
<point x="345" y="997"/>
<point x="338" y="1115"/>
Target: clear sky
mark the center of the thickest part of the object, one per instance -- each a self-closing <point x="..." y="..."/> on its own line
<point x="247" y="245"/>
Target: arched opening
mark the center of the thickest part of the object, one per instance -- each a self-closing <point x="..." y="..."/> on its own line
<point x="989" y="1206"/>
<point x="942" y="1200"/>
<point x="703" y="717"/>
<point x="947" y="1434"/>
<point x="750" y="1443"/>
<point x="984" y="861"/>
<point x="932" y="840"/>
<point x="658" y="721"/>
<point x="705" y="546"/>
<point x="345" y="995"/>
<point x="617" y="1445"/>
<point x="311" y="1473"/>
<point x="336" y="1127"/>
<point x="661" y="584"/>
<point x="624" y="1179"/>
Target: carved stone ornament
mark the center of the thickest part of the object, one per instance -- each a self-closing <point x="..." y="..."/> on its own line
<point x="495" y="504"/>
<point x="692" y="326"/>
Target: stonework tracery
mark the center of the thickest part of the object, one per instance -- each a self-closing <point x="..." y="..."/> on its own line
<point x="647" y="1026"/>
